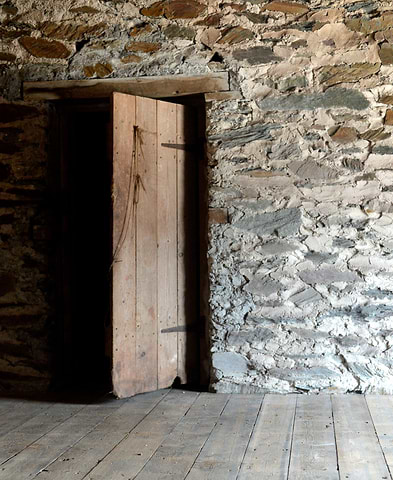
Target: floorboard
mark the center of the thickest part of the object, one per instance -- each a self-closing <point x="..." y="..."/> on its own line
<point x="381" y="410"/>
<point x="222" y="454"/>
<point x="359" y="453"/>
<point x="175" y="456"/>
<point x="97" y="444"/>
<point x="313" y="454"/>
<point x="268" y="452"/>
<point x="129" y="457"/>
<point x="185" y="435"/>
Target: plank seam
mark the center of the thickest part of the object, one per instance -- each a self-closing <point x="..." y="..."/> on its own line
<point x="335" y="438"/>
<point x="35" y="414"/>
<point x="166" y="436"/>
<point x="127" y="435"/>
<point x="204" y="443"/>
<point x="250" y="437"/>
<point x="376" y="433"/>
<point x="77" y="441"/>
<point x="292" y="436"/>
<point x="46" y="433"/>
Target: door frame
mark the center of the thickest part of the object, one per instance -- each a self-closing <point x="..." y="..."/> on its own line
<point x="191" y="90"/>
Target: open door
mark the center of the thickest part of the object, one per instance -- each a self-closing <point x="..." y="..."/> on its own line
<point x="155" y="245"/>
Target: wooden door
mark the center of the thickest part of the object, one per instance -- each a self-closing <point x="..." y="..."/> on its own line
<point x="154" y="283"/>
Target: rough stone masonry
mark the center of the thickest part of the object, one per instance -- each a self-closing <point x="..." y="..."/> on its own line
<point x="299" y="157"/>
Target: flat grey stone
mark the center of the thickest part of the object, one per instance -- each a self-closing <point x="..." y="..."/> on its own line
<point x="333" y="97"/>
<point x="276" y="248"/>
<point x="320" y="258"/>
<point x="256" y="55"/>
<point x="383" y="150"/>
<point x="285" y="151"/>
<point x="257" y="335"/>
<point x="377" y="293"/>
<point x="328" y="275"/>
<point x="305" y="297"/>
<point x="245" y="135"/>
<point x="230" y="363"/>
<point x="311" y="169"/>
<point x="343" y="243"/>
<point x="311" y="374"/>
<point x="263" y="286"/>
<point x="282" y="222"/>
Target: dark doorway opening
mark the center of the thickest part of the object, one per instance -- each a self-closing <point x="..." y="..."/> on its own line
<point x="84" y="245"/>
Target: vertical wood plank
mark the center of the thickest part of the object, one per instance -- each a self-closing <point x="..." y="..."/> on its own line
<point x="167" y="245"/>
<point x="268" y="452"/>
<point x="313" y="453"/>
<point x="188" y="233"/>
<point x="381" y="410"/>
<point x="359" y="454"/>
<point x="146" y="247"/>
<point x="123" y="269"/>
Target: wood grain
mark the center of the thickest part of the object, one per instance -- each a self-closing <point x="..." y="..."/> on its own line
<point x="268" y="452"/>
<point x="124" y="249"/>
<point x="313" y="455"/>
<point x="153" y="87"/>
<point x="167" y="244"/>
<point x="359" y="453"/>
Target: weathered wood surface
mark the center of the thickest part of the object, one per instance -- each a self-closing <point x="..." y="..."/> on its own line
<point x="153" y="87"/>
<point x="359" y="452"/>
<point x="222" y="454"/>
<point x="124" y="248"/>
<point x="381" y="410"/>
<point x="177" y="435"/>
<point x="167" y="244"/>
<point x="313" y="455"/>
<point x="268" y="453"/>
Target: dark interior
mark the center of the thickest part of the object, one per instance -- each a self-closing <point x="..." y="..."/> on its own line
<point x="86" y="247"/>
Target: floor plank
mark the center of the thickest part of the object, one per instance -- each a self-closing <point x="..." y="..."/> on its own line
<point x="223" y="452"/>
<point x="81" y="458"/>
<point x="313" y="454"/>
<point x="130" y="455"/>
<point x="21" y="413"/>
<point x="267" y="455"/>
<point x="66" y="425"/>
<point x="175" y="456"/>
<point x="32" y="430"/>
<point x="381" y="410"/>
<point x="359" y="454"/>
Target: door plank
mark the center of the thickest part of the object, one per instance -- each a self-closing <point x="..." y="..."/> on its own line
<point x="81" y="458"/>
<point x="313" y="455"/>
<point x="174" y="458"/>
<point x="124" y="266"/>
<point x="129" y="456"/>
<point x="167" y="244"/>
<point x="268" y="453"/>
<point x="359" y="454"/>
<point x="146" y="371"/>
<point x="188" y="233"/>
<point x="223" y="452"/>
<point x="381" y="410"/>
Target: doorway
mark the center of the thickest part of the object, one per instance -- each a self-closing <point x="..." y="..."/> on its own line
<point x="86" y="253"/>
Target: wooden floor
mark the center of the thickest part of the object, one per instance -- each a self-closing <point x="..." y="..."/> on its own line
<point x="174" y="434"/>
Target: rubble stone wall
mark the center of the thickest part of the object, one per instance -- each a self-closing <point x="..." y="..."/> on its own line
<point x="300" y="173"/>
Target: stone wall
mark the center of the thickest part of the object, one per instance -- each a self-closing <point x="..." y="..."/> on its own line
<point x="300" y="163"/>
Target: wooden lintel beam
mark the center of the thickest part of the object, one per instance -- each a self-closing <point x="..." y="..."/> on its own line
<point x="153" y="87"/>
